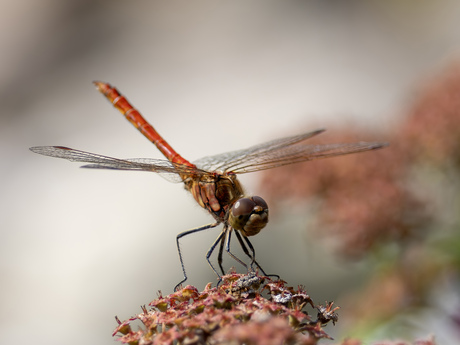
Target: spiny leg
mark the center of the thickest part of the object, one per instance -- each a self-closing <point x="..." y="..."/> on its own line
<point x="221" y="250"/>
<point x="246" y="251"/>
<point x="185" y="233"/>
<point x="220" y="239"/>
<point x="227" y="248"/>
<point x="253" y="256"/>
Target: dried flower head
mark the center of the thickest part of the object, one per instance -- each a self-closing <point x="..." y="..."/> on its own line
<point x="236" y="312"/>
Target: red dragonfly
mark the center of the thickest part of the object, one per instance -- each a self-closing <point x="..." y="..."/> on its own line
<point x="212" y="180"/>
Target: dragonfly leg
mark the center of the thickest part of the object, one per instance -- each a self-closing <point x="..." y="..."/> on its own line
<point x="227" y="248"/>
<point x="245" y="249"/>
<point x="178" y="237"/>
<point x="219" y="256"/>
<point x="220" y="239"/>
<point x="253" y="256"/>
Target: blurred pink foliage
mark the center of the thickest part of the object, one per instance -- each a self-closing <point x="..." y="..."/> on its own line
<point x="367" y="198"/>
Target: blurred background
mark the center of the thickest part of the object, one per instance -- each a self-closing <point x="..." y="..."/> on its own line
<point x="378" y="232"/>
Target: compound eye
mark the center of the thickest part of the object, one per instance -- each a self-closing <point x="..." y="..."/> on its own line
<point x="243" y="207"/>
<point x="260" y="202"/>
<point x="249" y="215"/>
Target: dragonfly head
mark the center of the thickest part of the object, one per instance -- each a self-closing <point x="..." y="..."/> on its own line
<point x="249" y="215"/>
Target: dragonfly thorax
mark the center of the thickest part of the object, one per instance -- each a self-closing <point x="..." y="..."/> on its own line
<point x="216" y="193"/>
<point x="249" y="215"/>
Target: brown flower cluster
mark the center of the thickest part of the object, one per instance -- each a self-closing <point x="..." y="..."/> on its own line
<point x="236" y="312"/>
<point x="431" y="131"/>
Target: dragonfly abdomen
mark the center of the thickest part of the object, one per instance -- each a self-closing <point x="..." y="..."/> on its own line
<point x="132" y="115"/>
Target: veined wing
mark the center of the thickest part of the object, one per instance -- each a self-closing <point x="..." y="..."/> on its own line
<point x="167" y="169"/>
<point x="230" y="160"/>
<point x="281" y="152"/>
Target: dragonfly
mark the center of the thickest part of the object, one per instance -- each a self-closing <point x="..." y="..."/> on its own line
<point x="212" y="180"/>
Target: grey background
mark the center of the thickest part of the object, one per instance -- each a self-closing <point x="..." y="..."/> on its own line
<point x="80" y="246"/>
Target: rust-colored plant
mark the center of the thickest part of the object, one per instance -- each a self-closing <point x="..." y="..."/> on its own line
<point x="244" y="309"/>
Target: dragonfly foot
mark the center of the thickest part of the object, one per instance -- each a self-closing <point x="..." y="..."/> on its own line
<point x="219" y="282"/>
<point x="179" y="285"/>
<point x="273" y="275"/>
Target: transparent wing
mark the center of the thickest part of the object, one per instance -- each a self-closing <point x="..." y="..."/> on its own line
<point x="168" y="170"/>
<point x="280" y="152"/>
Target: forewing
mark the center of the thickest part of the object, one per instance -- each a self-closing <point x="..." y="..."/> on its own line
<point x="303" y="153"/>
<point x="167" y="169"/>
<point x="229" y="161"/>
<point x="281" y="152"/>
